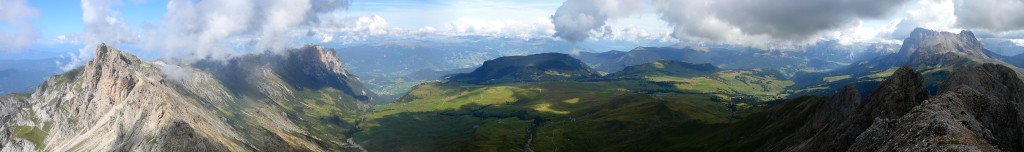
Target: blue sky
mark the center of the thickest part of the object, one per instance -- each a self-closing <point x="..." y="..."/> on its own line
<point x="65" y="17"/>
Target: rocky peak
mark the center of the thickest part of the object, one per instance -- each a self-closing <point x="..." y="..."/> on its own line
<point x="978" y="110"/>
<point x="313" y="67"/>
<point x="897" y="95"/>
<point x="110" y="56"/>
<point x="992" y="79"/>
<point x="316" y="56"/>
<point x="932" y="47"/>
<point x="843" y="103"/>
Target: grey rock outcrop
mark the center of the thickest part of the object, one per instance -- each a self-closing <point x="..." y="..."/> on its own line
<point x="979" y="110"/>
<point x="929" y="47"/>
<point x="835" y="132"/>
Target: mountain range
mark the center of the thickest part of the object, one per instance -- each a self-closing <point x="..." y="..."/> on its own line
<point x="939" y="91"/>
<point x="302" y="100"/>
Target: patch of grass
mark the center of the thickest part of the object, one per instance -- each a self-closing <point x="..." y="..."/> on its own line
<point x="556" y="73"/>
<point x="744" y="82"/>
<point x="573" y="100"/>
<point x="439" y="97"/>
<point x="32" y="134"/>
<point x="882" y="74"/>
<point x="836" y="78"/>
<point x="544" y="107"/>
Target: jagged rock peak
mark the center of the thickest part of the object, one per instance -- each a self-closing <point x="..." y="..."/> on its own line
<point x="105" y="54"/>
<point x="844" y="102"/>
<point x="992" y="79"/>
<point x="315" y="55"/>
<point x="978" y="109"/>
<point x="925" y="34"/>
<point x="924" y="44"/>
<point x="897" y="95"/>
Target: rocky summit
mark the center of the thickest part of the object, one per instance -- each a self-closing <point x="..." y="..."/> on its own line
<point x="118" y="102"/>
<point x="936" y="48"/>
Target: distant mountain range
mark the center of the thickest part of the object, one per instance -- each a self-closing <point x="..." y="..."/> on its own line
<point x="390" y="68"/>
<point x="823" y="56"/>
<point x="21" y="76"/>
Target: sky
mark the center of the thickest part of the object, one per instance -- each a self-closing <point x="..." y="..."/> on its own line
<point x="204" y="29"/>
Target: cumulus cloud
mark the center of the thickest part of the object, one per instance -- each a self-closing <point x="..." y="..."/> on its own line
<point x="16" y="15"/>
<point x="506" y="28"/>
<point x="745" y="21"/>
<point x="629" y="33"/>
<point x="350" y="29"/>
<point x="216" y="28"/>
<point x="102" y="25"/>
<point x="930" y="14"/>
<point x="354" y="29"/>
<point x="991" y="15"/>
<point x="575" y="19"/>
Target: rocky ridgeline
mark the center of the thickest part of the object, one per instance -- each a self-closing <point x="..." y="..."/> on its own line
<point x="118" y="102"/>
<point x="978" y="109"/>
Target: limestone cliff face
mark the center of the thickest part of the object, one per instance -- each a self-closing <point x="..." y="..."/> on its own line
<point x="936" y="48"/>
<point x="119" y="102"/>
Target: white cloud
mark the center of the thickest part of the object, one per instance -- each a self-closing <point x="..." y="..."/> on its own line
<point x="767" y="22"/>
<point x="350" y="29"/>
<point x="16" y="14"/>
<point x="361" y="28"/>
<point x="102" y="25"/>
<point x="1019" y="42"/>
<point x="507" y="28"/>
<point x="215" y="29"/>
<point x="992" y="15"/>
<point x="575" y="19"/>
<point x="930" y="14"/>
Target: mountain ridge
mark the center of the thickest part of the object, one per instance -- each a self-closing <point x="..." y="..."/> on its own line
<point x="536" y="67"/>
<point x="117" y="101"/>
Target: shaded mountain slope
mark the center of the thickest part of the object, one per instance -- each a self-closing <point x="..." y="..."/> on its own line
<point x="981" y="113"/>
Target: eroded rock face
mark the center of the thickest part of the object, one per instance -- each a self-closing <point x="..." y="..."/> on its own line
<point x="118" y="102"/>
<point x="979" y="109"/>
<point x="933" y="48"/>
<point x="993" y="79"/>
<point x="946" y="123"/>
<point x="896" y="96"/>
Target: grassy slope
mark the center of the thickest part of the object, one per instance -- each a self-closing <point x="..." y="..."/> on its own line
<point x="555" y="116"/>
